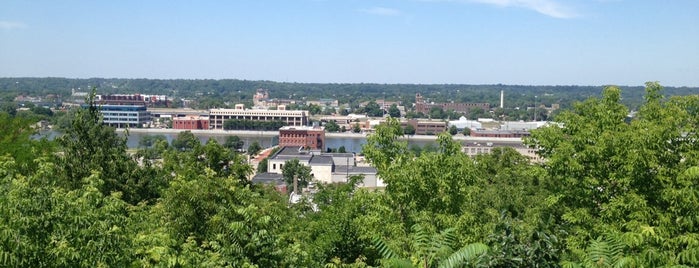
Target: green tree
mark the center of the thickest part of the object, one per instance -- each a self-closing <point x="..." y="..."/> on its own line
<point x="233" y="143"/>
<point x="331" y="126"/>
<point x="393" y="111"/>
<point x="148" y="141"/>
<point x="609" y="176"/>
<point x="44" y="224"/>
<point x="186" y="141"/>
<point x="254" y="148"/>
<point x="437" y="112"/>
<point x="409" y="129"/>
<point x="466" y="131"/>
<point x="314" y="109"/>
<point x="373" y="109"/>
<point x="453" y="130"/>
<point x="294" y="169"/>
<point x="89" y="146"/>
<point x="432" y="250"/>
<point x="356" y="128"/>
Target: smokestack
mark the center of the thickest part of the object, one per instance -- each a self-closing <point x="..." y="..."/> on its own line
<point x="502" y="99"/>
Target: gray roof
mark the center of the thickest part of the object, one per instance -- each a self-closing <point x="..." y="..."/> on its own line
<point x="302" y="158"/>
<point x="321" y="160"/>
<point x="354" y="170"/>
<point x="339" y="154"/>
<point x="289" y="150"/>
<point x="268" y="178"/>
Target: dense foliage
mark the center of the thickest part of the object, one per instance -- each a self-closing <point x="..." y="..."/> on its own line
<point x="611" y="192"/>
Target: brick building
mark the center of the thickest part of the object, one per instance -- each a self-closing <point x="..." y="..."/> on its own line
<point x="190" y="122"/>
<point x="307" y="137"/>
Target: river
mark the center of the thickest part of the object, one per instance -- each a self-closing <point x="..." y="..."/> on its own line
<point x="352" y="143"/>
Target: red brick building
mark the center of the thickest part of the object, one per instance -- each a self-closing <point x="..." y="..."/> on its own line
<point x="308" y="137"/>
<point x="190" y="122"/>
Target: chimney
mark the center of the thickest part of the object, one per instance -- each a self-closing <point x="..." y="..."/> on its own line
<point x="502" y="99"/>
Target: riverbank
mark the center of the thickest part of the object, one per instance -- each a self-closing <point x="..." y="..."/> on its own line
<point x="346" y="135"/>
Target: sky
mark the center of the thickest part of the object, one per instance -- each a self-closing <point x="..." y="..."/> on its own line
<point x="521" y="42"/>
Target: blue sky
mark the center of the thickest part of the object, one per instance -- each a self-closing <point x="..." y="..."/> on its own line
<point x="528" y="42"/>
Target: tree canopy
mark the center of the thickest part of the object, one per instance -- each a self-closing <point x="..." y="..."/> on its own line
<point x="613" y="190"/>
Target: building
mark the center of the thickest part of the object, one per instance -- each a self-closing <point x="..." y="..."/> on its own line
<point x="421" y="106"/>
<point x="272" y="179"/>
<point x="325" y="103"/>
<point x="121" y="116"/>
<point x="499" y="133"/>
<point x="304" y="136"/>
<point x="464" y="123"/>
<point x="261" y="99"/>
<point x="486" y="147"/>
<point x="325" y="167"/>
<point x="426" y="127"/>
<point x="217" y="117"/>
<point x="521" y="125"/>
<point x="133" y="99"/>
<point x="190" y="122"/>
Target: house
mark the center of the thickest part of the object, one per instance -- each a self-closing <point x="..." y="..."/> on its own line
<point x="325" y="167"/>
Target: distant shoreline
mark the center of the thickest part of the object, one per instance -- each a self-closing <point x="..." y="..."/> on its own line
<point x="267" y="134"/>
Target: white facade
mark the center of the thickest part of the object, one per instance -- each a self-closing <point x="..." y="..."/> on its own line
<point x="291" y="118"/>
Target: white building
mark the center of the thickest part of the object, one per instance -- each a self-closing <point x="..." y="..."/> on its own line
<point x="463" y="123"/>
<point x="217" y="117"/>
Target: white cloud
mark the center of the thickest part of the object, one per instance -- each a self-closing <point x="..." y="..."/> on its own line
<point x="11" y="25"/>
<point x="382" y="11"/>
<point x="551" y="8"/>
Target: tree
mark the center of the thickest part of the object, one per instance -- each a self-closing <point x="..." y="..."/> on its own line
<point x="186" y="141"/>
<point x="233" y="143"/>
<point x="148" y="141"/>
<point x="409" y="129"/>
<point x="331" y="126"/>
<point x="314" y="109"/>
<point x="431" y="250"/>
<point x="90" y="146"/>
<point x="437" y="112"/>
<point x="373" y="109"/>
<point x="466" y="131"/>
<point x="294" y="169"/>
<point x="254" y="148"/>
<point x="453" y="130"/>
<point x="393" y="111"/>
<point x="9" y="108"/>
<point x="341" y="149"/>
<point x="44" y="223"/>
<point x="356" y="128"/>
<point x="614" y="177"/>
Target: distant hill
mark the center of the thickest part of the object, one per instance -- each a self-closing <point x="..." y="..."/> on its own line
<point x="242" y="90"/>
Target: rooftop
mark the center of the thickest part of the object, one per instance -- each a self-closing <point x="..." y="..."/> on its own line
<point x="301" y="128"/>
<point x="321" y="160"/>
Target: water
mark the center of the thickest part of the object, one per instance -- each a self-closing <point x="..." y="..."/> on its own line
<point x="351" y="144"/>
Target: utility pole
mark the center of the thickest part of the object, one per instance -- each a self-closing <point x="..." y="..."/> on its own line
<point x="535" y="107"/>
<point x="296" y="184"/>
